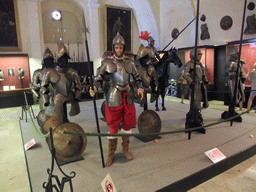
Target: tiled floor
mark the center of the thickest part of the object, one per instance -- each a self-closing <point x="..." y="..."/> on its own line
<point x="13" y="172"/>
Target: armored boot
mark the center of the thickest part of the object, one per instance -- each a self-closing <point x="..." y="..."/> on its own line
<point x="112" y="143"/>
<point x="125" y="145"/>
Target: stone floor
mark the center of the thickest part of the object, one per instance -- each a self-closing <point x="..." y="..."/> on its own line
<point x="14" y="173"/>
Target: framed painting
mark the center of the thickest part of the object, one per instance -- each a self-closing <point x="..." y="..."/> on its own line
<point x="118" y="19"/>
<point x="9" y="26"/>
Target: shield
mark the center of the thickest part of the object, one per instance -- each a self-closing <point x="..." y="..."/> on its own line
<point x="149" y="122"/>
<point x="175" y="33"/>
<point x="68" y="147"/>
<point x="103" y="108"/>
<point x="226" y="22"/>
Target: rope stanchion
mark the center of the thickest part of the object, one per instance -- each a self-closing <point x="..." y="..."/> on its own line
<point x="154" y="134"/>
<point x="33" y="123"/>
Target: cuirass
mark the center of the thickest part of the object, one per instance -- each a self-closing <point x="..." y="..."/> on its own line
<point x="146" y="79"/>
<point x="63" y="86"/>
<point x="120" y="76"/>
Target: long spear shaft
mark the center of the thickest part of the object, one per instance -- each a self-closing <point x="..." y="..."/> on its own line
<point x="94" y="101"/>
<point x="179" y="33"/>
<point x="238" y="66"/>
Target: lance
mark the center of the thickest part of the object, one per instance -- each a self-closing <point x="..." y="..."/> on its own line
<point x="180" y="32"/>
<point x="192" y="110"/>
<point x="94" y="101"/>
<point x="232" y="107"/>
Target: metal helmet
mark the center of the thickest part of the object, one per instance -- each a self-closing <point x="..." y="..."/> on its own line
<point x="150" y="39"/>
<point x="142" y="52"/>
<point x="234" y="53"/>
<point x="47" y="54"/>
<point x="194" y="56"/>
<point x="62" y="51"/>
<point x="118" y="40"/>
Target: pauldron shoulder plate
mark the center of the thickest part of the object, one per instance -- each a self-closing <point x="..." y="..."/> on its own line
<point x="50" y="75"/>
<point x="129" y="66"/>
<point x="108" y="66"/>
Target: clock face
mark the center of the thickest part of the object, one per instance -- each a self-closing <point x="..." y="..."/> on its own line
<point x="56" y="15"/>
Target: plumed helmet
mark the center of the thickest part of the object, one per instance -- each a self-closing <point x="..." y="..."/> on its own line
<point x="150" y="39"/>
<point x="234" y="53"/>
<point x="47" y="54"/>
<point x="118" y="40"/>
<point x="193" y="56"/>
<point x="142" y="52"/>
<point x="62" y="51"/>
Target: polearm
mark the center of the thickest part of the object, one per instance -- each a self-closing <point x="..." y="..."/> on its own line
<point x="194" y="75"/>
<point x="180" y="32"/>
<point x="94" y="101"/>
<point x="238" y="67"/>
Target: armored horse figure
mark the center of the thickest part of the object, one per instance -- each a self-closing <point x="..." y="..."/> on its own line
<point x="162" y="73"/>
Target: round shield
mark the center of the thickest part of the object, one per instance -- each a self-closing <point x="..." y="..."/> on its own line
<point x="103" y="108"/>
<point x="226" y="22"/>
<point x="251" y="6"/>
<point x="53" y="122"/>
<point x="175" y="33"/>
<point x="68" y="147"/>
<point x="149" y="122"/>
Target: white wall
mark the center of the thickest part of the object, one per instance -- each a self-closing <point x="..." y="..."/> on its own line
<point x="178" y="13"/>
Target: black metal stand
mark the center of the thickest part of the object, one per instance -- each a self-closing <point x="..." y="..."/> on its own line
<point x="24" y="109"/>
<point x="49" y="186"/>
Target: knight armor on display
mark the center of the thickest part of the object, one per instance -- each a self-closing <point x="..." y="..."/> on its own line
<point x="119" y="73"/>
<point x="231" y="72"/>
<point x="119" y="107"/>
<point x="147" y="71"/>
<point x="21" y="73"/>
<point x="200" y="79"/>
<point x="1" y="75"/>
<point x="61" y="79"/>
<point x="47" y="62"/>
<point x="151" y="43"/>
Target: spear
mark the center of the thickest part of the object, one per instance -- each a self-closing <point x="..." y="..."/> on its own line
<point x="232" y="108"/>
<point x="180" y="32"/>
<point x="85" y="30"/>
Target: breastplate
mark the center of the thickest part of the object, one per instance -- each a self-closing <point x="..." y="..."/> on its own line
<point x="120" y="76"/>
<point x="63" y="86"/>
<point x="199" y="73"/>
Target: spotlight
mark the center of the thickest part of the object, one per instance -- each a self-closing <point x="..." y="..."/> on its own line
<point x="56" y="15"/>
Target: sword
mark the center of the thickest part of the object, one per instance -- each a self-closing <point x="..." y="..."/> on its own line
<point x="232" y="107"/>
<point x="85" y="30"/>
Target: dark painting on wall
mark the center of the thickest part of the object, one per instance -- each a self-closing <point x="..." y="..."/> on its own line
<point x="9" y="26"/>
<point x="118" y="19"/>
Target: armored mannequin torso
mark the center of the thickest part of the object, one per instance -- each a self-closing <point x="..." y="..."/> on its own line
<point x="119" y="72"/>
<point x="200" y="72"/>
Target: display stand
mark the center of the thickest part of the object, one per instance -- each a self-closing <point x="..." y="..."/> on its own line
<point x="49" y="186"/>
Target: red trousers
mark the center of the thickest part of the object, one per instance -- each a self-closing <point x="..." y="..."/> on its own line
<point x="124" y="113"/>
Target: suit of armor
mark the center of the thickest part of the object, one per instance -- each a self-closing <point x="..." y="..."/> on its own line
<point x="147" y="71"/>
<point x="231" y="71"/>
<point x="119" y="107"/>
<point x="38" y="76"/>
<point x="62" y="79"/>
<point x="151" y="43"/>
<point x="200" y="79"/>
